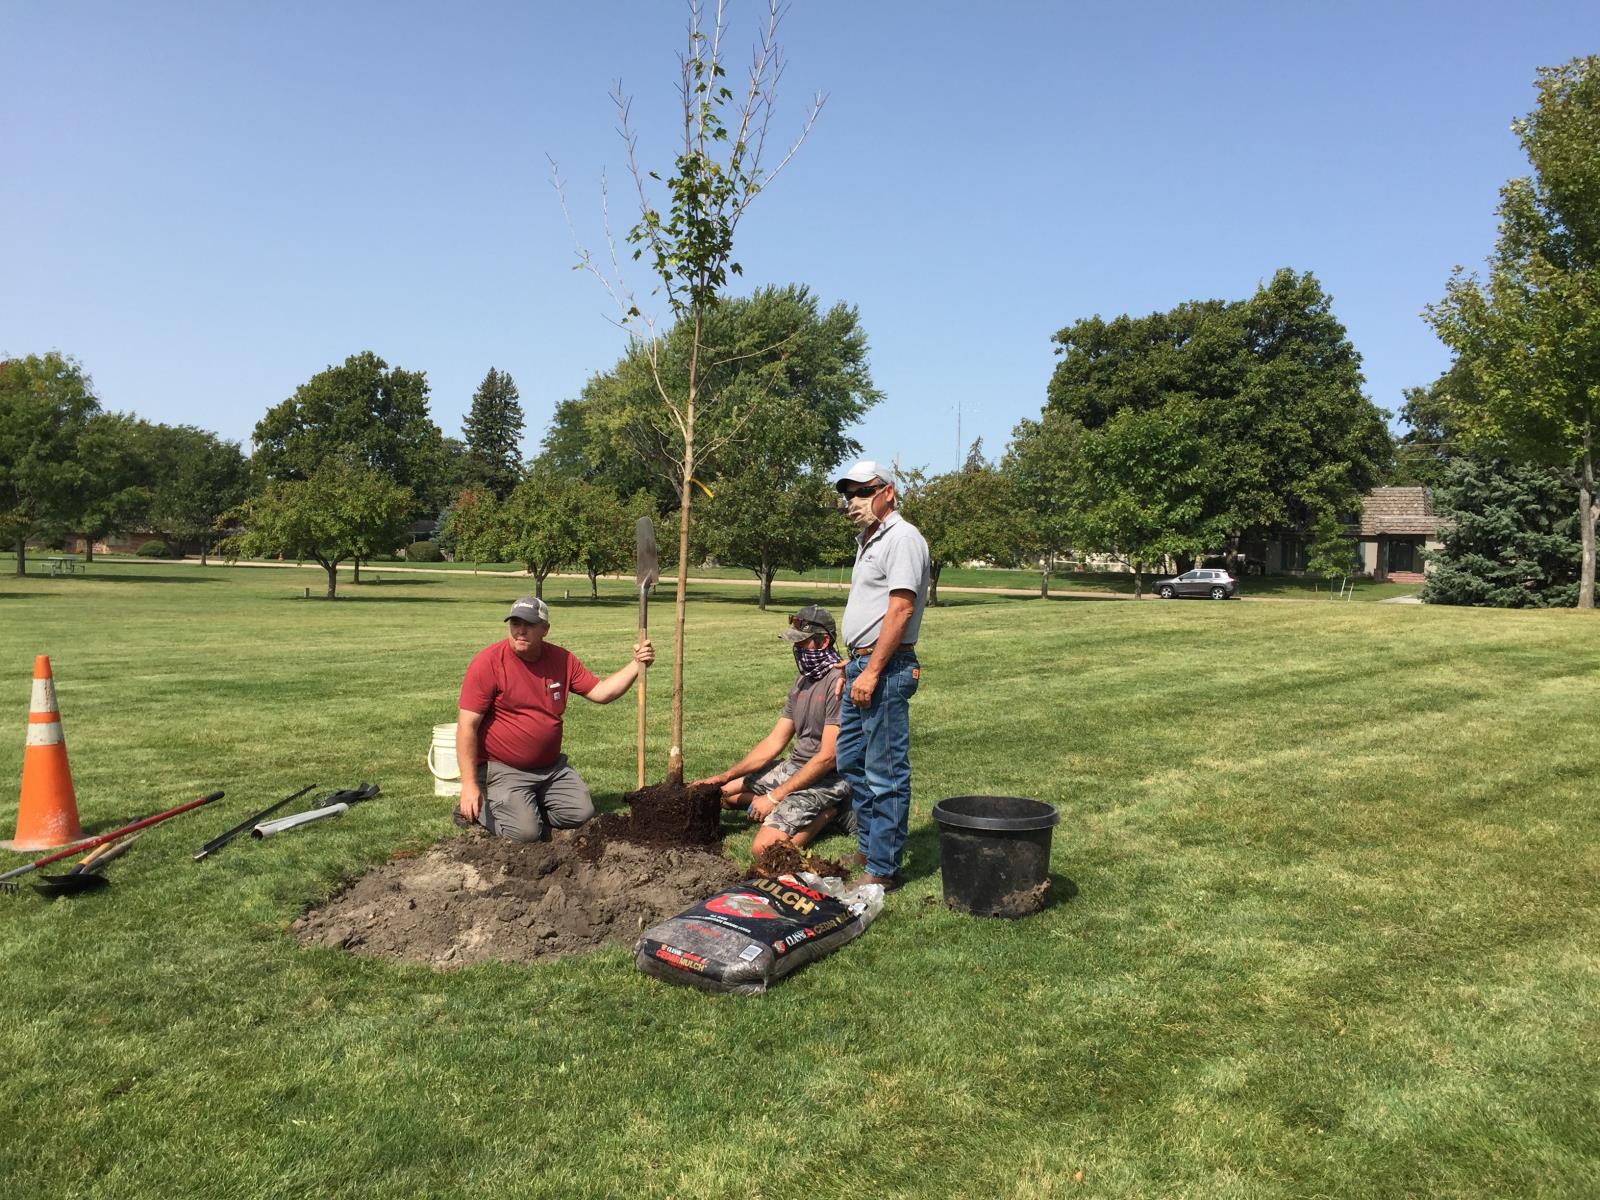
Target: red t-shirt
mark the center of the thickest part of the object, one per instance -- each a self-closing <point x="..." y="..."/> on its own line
<point x="522" y="702"/>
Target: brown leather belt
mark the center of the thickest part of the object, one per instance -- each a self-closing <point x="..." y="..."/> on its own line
<point x="863" y="651"/>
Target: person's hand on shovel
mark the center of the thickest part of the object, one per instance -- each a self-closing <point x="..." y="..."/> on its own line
<point x="644" y="653"/>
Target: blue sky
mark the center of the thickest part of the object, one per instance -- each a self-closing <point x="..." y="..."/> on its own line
<point x="207" y="203"/>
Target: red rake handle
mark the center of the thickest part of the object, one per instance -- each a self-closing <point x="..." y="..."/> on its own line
<point x="103" y="838"/>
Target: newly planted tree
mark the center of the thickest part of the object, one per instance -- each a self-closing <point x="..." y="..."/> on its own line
<point x="687" y="243"/>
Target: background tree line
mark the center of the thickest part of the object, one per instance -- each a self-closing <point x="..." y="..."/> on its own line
<point x="1163" y="438"/>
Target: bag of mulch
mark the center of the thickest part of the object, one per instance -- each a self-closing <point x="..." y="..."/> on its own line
<point x="747" y="936"/>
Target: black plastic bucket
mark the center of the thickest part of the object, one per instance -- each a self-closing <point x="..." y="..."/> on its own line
<point x="994" y="853"/>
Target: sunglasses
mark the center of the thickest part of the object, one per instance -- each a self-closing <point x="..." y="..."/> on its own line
<point x="861" y="493"/>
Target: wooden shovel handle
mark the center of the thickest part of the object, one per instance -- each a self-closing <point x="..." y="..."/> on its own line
<point x="644" y="675"/>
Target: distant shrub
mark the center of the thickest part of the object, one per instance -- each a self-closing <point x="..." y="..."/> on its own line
<point x="424" y="552"/>
<point x="155" y="548"/>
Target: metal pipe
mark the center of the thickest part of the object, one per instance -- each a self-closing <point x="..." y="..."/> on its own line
<point x="268" y="828"/>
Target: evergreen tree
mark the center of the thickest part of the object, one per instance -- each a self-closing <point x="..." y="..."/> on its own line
<point x="1515" y="540"/>
<point x="493" y="433"/>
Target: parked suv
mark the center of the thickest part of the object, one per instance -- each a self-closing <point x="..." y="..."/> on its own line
<point x="1202" y="583"/>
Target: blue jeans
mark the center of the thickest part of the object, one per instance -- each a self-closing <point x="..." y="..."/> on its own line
<point x="874" y="756"/>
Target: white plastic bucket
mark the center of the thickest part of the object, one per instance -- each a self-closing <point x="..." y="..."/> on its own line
<point x="442" y="761"/>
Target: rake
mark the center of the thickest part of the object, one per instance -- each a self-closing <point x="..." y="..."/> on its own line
<point x="5" y="880"/>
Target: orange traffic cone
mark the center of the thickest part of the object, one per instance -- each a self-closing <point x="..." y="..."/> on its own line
<point x="47" y="815"/>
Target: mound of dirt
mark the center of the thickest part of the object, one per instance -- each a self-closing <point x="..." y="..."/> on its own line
<point x="477" y="898"/>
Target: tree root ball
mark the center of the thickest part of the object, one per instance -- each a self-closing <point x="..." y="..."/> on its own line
<point x="675" y="814"/>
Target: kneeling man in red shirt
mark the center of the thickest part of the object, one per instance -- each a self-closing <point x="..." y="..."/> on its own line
<point x="515" y="781"/>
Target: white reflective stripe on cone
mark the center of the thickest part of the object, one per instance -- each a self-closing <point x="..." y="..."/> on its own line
<point x="44" y="696"/>
<point x="45" y="734"/>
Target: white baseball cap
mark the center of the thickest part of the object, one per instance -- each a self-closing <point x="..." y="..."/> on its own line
<point x="864" y="471"/>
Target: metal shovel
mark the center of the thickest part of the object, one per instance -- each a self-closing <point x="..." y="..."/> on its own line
<point x="85" y="875"/>
<point x="5" y="879"/>
<point x="645" y="576"/>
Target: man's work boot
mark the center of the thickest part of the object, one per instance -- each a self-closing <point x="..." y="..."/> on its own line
<point x="855" y="859"/>
<point x="889" y="883"/>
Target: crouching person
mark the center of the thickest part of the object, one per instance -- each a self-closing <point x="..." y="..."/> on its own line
<point x="515" y="781"/>
<point x="796" y="799"/>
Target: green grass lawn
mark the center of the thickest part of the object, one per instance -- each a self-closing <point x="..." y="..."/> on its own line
<point x="1325" y="916"/>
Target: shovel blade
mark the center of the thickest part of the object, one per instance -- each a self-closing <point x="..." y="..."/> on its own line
<point x="70" y="885"/>
<point x="648" y="570"/>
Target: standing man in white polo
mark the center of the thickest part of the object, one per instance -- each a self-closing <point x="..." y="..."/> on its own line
<point x="882" y="618"/>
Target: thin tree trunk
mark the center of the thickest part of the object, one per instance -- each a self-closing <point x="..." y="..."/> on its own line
<point x="22" y="556"/>
<point x="1586" y="520"/>
<point x="594" y="585"/>
<point x="205" y="545"/>
<point x="333" y="579"/>
<point x="355" y="576"/>
<point x="681" y="600"/>
<point x="88" y="548"/>
<point x="538" y="584"/>
<point x="764" y="577"/>
<point x="933" y="583"/>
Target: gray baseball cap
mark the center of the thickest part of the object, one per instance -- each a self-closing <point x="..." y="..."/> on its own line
<point x="531" y="609"/>
<point x="804" y="625"/>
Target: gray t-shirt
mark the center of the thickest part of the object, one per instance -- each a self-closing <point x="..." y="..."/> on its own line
<point x="812" y="704"/>
<point x="894" y="559"/>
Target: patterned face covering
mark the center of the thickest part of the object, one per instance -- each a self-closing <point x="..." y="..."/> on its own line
<point x="814" y="664"/>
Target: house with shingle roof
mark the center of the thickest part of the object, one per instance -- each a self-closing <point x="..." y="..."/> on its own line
<point x="1396" y="525"/>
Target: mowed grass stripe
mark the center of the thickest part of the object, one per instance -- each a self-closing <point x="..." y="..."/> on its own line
<point x="1336" y="871"/>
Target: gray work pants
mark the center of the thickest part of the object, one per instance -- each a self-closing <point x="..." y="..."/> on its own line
<point x="524" y="806"/>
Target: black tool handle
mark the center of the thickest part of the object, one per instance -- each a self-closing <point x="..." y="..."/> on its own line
<point x="222" y="839"/>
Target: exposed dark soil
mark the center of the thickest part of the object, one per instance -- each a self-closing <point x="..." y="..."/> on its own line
<point x="675" y="814"/>
<point x="477" y="898"/>
<point x="786" y="859"/>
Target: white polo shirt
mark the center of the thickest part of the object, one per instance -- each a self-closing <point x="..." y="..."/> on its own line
<point x="894" y="558"/>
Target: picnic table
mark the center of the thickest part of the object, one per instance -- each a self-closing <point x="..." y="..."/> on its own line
<point x="66" y="564"/>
